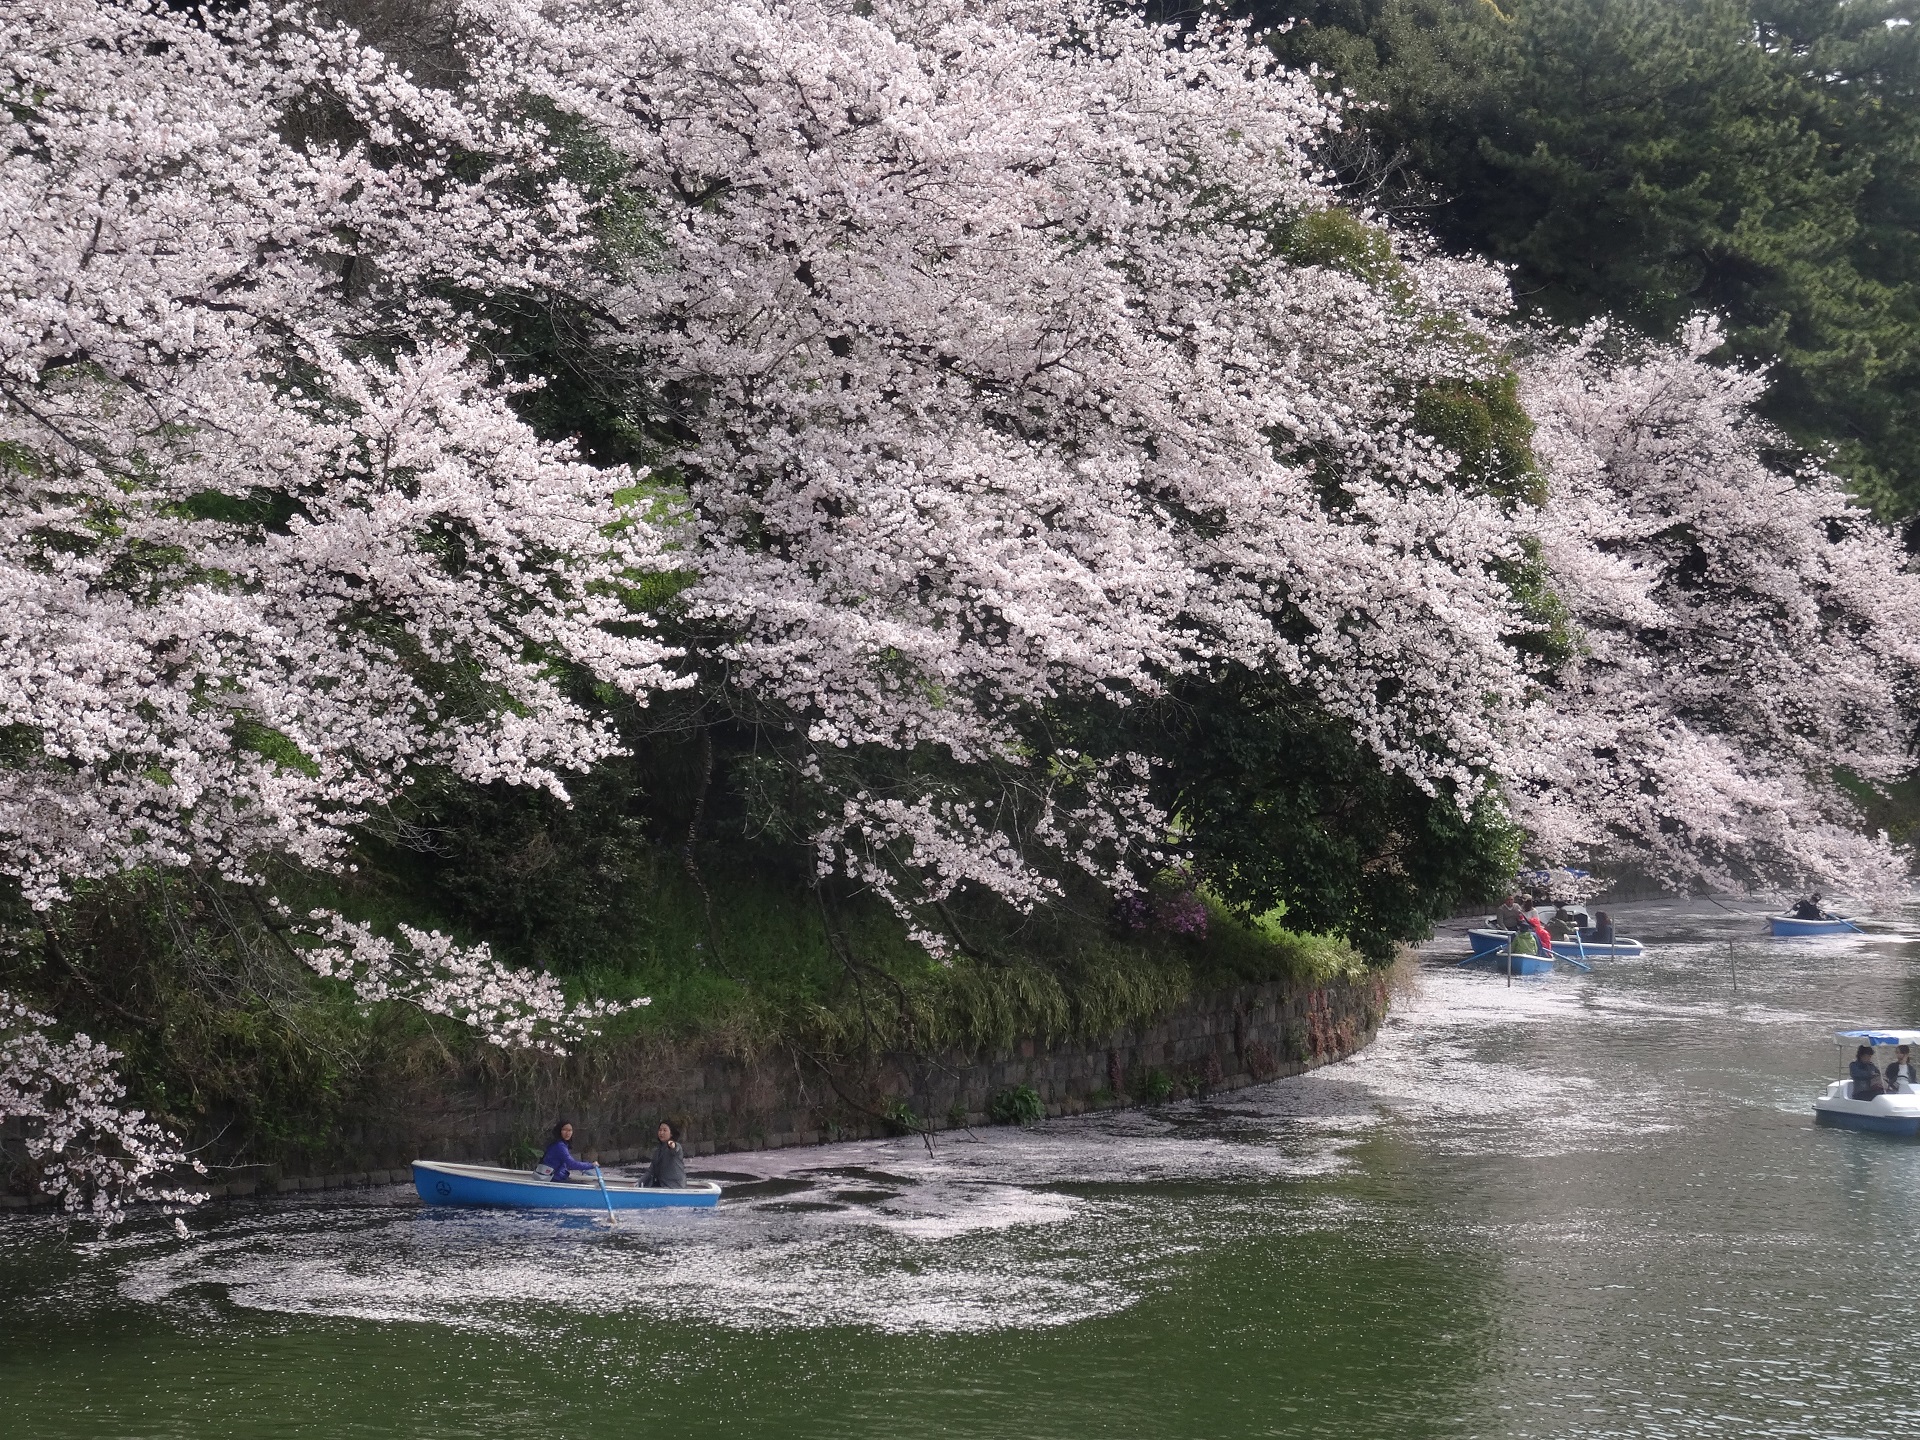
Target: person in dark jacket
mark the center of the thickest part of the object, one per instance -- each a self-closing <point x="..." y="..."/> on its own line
<point x="1865" y="1075"/>
<point x="1809" y="908"/>
<point x="1901" y="1068"/>
<point x="669" y="1168"/>
<point x="1601" y="932"/>
<point x="559" y="1159"/>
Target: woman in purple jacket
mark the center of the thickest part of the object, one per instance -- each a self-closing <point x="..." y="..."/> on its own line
<point x="559" y="1159"/>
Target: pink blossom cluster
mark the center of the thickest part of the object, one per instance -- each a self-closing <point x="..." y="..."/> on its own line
<point x="1743" y="632"/>
<point x="65" y="1102"/>
<point x="258" y="562"/>
<point x="506" y="1006"/>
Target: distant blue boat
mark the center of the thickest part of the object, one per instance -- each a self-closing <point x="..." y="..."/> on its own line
<point x="1832" y="925"/>
<point x="442" y="1183"/>
<point x="1487" y="942"/>
<point x="1490" y="953"/>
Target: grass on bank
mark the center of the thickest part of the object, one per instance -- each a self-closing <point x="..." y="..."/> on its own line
<point x="238" y="1045"/>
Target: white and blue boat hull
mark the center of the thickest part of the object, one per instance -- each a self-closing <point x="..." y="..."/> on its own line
<point x="1895" y="1114"/>
<point x="1878" y="1124"/>
<point x="441" y="1182"/>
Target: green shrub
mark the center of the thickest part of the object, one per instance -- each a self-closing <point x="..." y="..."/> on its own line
<point x="1018" y="1106"/>
<point x="520" y="1153"/>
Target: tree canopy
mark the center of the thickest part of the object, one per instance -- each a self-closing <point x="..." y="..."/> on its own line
<point x="976" y="448"/>
<point x="1645" y="159"/>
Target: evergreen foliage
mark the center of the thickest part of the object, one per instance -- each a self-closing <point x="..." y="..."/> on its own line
<point x="1285" y="812"/>
<point x="1649" y="158"/>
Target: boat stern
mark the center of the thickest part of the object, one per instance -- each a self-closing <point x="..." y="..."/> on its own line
<point x="1882" y="1115"/>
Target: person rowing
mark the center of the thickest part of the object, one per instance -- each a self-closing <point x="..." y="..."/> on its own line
<point x="558" y="1163"/>
<point x="1809" y="908"/>
<point x="1510" y="917"/>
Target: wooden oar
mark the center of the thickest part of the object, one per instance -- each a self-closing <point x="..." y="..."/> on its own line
<point x="599" y="1175"/>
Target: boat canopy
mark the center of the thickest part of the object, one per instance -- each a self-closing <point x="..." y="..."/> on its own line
<point x="1882" y="1037"/>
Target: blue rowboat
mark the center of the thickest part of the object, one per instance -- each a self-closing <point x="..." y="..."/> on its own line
<point x="1618" y="948"/>
<point x="1497" y="961"/>
<point x="442" y="1183"/>
<point x="1490" y="953"/>
<point x="1832" y="925"/>
<point x="1488" y="942"/>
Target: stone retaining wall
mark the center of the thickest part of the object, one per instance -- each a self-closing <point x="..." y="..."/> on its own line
<point x="725" y="1102"/>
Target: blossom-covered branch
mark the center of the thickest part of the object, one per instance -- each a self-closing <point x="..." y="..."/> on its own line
<point x="1747" y="634"/>
<point x="66" y="1102"/>
<point x="512" y="1008"/>
<point x="271" y="537"/>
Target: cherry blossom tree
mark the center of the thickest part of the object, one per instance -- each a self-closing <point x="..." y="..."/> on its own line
<point x="256" y="562"/>
<point x="271" y="537"/>
<point x="1002" y="368"/>
<point x="1744" y="632"/>
<point x="1005" y="387"/>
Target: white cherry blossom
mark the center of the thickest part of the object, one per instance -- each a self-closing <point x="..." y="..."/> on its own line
<point x="1744" y="632"/>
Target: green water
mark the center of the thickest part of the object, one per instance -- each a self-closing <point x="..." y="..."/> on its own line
<point x="1580" y="1206"/>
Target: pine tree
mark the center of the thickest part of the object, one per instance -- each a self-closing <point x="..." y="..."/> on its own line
<point x="1649" y="158"/>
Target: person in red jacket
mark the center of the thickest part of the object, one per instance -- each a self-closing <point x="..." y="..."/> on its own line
<point x="1540" y="931"/>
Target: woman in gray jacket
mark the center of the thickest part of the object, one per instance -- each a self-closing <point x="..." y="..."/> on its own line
<point x="669" y="1168"/>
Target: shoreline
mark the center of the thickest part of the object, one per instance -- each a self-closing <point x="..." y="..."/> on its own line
<point x="1213" y="1043"/>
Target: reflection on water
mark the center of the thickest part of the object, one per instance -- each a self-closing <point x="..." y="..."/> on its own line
<point x="1585" y="1205"/>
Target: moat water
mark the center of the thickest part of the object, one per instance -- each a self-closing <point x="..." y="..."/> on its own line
<point x="1585" y="1205"/>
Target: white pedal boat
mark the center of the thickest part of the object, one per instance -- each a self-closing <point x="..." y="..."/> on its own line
<point x="1897" y="1113"/>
